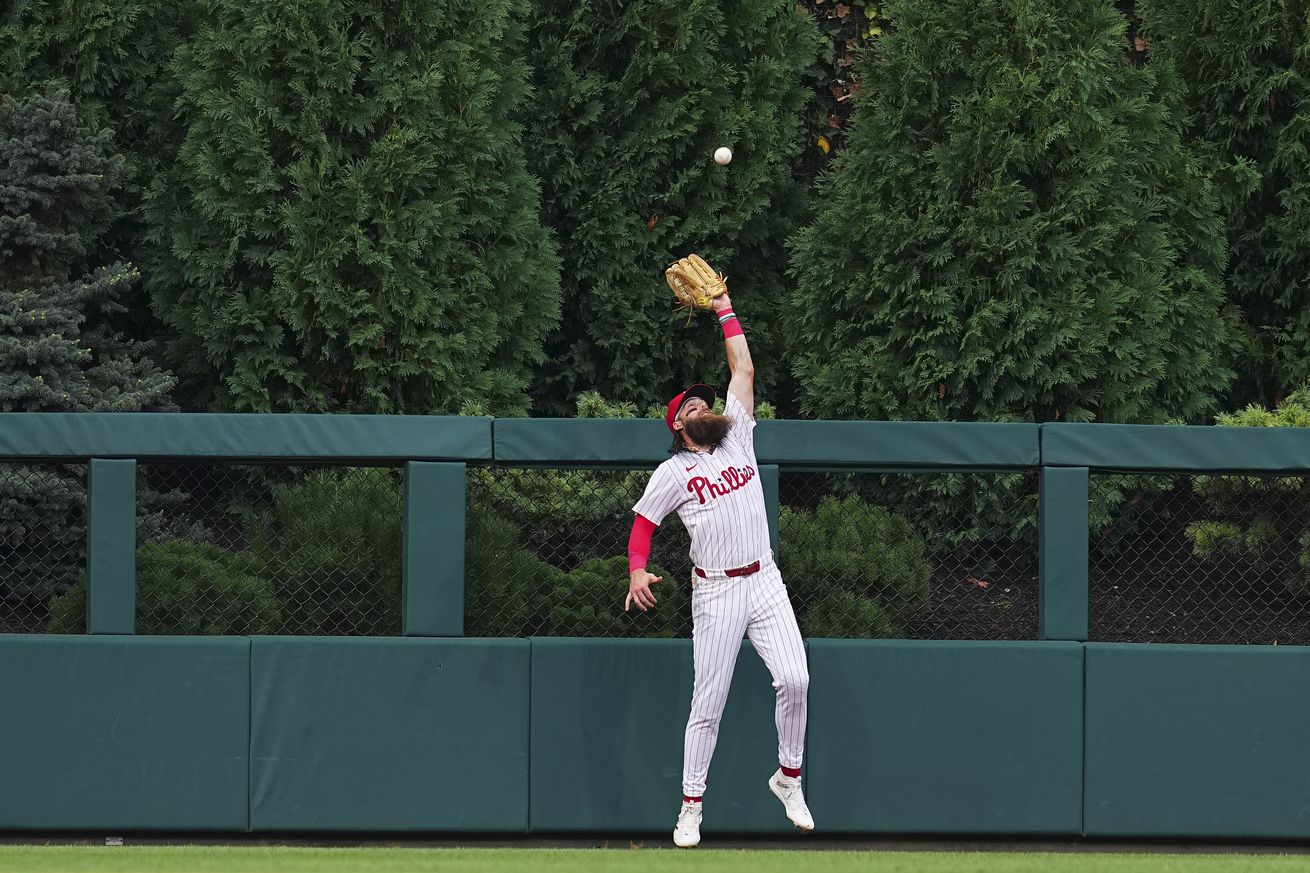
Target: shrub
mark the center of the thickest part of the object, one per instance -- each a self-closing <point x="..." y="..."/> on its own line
<point x="505" y="585"/>
<point x="589" y="602"/>
<point x="331" y="545"/>
<point x="186" y="588"/>
<point x="855" y="568"/>
<point x="1261" y="522"/>
<point x="844" y="614"/>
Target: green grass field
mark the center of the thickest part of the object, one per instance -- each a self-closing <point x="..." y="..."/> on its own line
<point x="283" y="859"/>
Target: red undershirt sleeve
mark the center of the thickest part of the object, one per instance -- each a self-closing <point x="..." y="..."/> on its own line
<point x="639" y="542"/>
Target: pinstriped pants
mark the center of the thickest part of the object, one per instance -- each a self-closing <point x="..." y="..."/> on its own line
<point x="724" y="610"/>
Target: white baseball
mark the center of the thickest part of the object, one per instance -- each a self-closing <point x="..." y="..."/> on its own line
<point x="722" y="155"/>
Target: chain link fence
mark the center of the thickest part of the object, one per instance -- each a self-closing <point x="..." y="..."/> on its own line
<point x="226" y="549"/>
<point x="546" y="555"/>
<point x="240" y="549"/>
<point x="42" y="540"/>
<point x="897" y="555"/>
<point x="911" y="555"/>
<point x="1199" y="559"/>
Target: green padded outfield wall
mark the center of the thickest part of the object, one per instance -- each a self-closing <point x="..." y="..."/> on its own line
<point x="916" y="736"/>
<point x="155" y="733"/>
<point x="123" y="732"/>
<point x="608" y="718"/>
<point x="1062" y="553"/>
<point x="1198" y="741"/>
<point x="1185" y="448"/>
<point x="277" y="436"/>
<point x="645" y="442"/>
<point x="389" y="734"/>
<point x="111" y="546"/>
<point x="432" y="584"/>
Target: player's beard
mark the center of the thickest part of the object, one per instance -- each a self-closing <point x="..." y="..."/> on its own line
<point x="708" y="429"/>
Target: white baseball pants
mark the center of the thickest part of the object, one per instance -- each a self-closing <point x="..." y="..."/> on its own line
<point x="723" y="610"/>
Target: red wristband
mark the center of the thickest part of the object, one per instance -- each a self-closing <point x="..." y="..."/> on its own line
<point x="728" y="321"/>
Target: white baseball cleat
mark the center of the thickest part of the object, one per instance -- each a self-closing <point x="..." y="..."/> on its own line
<point x="788" y="790"/>
<point x="687" y="833"/>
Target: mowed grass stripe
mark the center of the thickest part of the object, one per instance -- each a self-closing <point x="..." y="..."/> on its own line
<point x="290" y="859"/>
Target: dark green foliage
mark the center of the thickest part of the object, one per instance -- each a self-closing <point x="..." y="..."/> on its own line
<point x="68" y="610"/>
<point x="111" y="55"/>
<point x="42" y="534"/>
<point x="631" y="101"/>
<point x="348" y="224"/>
<point x="1247" y="69"/>
<point x="588" y="601"/>
<point x="56" y="198"/>
<point x="1014" y="231"/>
<point x="855" y="569"/>
<point x="322" y="556"/>
<point x="57" y="352"/>
<point x="511" y="592"/>
<point x="186" y="588"/>
<point x="331" y="548"/>
<point x="503" y="582"/>
<point x="1260" y="523"/>
<point x="196" y="588"/>
<point x="839" y="613"/>
<point x="844" y="28"/>
<point x="566" y="498"/>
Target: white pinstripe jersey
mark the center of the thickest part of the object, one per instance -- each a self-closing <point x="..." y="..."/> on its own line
<point x="717" y="495"/>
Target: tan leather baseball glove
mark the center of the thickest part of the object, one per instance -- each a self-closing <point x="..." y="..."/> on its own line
<point x="694" y="282"/>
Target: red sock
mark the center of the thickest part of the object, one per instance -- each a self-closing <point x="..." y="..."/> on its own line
<point x="791" y="772"/>
<point x="686" y="799"/>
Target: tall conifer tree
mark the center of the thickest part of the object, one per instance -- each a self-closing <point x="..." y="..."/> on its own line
<point x="1014" y="231"/>
<point x="111" y="57"/>
<point x="631" y="101"/>
<point x="1247" y="71"/>
<point x="349" y="224"/>
<point x="57" y="179"/>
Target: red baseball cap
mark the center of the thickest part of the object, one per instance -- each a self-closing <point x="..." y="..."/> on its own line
<point x="701" y="390"/>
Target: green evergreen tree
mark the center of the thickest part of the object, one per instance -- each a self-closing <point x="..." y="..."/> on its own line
<point x="631" y="101"/>
<point x="56" y="354"/>
<point x="349" y="224"/>
<point x="1014" y="230"/>
<point x="56" y="179"/>
<point x="111" y="55"/>
<point x="1247" y="69"/>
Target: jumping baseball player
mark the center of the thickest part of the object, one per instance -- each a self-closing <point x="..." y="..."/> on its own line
<point x="712" y="481"/>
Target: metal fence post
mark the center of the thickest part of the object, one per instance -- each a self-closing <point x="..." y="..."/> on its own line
<point x="433" y="583"/>
<point x="769" y="482"/>
<point x="1063" y="558"/>
<point x="111" y="546"/>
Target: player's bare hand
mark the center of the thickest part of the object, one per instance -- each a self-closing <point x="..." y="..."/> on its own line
<point x="722" y="302"/>
<point x="639" y="582"/>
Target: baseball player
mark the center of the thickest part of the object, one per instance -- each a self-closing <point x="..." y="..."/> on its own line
<point x="712" y="481"/>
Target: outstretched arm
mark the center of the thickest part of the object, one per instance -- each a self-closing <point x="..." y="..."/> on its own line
<point x="742" y="384"/>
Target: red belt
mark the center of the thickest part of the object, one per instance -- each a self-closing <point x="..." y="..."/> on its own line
<point x="735" y="571"/>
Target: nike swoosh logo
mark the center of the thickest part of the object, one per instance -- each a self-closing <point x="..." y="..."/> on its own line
<point x="692" y="467"/>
